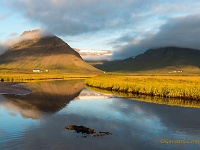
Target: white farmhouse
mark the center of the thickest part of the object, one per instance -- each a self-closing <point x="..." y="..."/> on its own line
<point x="36" y="70"/>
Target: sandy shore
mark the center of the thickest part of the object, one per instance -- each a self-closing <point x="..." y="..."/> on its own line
<point x="13" y="88"/>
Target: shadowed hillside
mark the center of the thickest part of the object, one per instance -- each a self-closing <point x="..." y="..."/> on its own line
<point x="169" y="58"/>
<point x="45" y="53"/>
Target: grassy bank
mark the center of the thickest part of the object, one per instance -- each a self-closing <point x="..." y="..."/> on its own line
<point x="152" y="99"/>
<point x="171" y="86"/>
<point x="27" y="77"/>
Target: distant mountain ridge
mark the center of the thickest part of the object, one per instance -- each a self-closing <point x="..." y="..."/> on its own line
<point x="154" y="59"/>
<point x="48" y="52"/>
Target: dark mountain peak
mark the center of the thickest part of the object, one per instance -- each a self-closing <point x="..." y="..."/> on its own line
<point x="172" y="52"/>
<point x="171" y="49"/>
<point x="159" y="58"/>
<point x="38" y="45"/>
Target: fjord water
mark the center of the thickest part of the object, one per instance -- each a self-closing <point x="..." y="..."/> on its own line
<point x="37" y="120"/>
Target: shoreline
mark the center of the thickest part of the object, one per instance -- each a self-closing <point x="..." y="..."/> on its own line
<point x="109" y="89"/>
<point x="152" y="99"/>
<point x="180" y="87"/>
<point x="13" y="88"/>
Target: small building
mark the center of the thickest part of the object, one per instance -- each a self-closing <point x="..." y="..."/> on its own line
<point x="36" y="70"/>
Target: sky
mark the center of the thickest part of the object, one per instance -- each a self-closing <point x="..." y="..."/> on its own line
<point x="128" y="27"/>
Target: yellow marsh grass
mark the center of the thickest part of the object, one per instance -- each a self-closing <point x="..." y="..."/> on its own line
<point x="187" y="87"/>
<point x="25" y="77"/>
<point x="150" y="99"/>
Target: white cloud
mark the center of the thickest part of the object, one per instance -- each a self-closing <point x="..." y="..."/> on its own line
<point x="69" y="17"/>
<point x="143" y="23"/>
<point x="179" y="31"/>
<point x="27" y="35"/>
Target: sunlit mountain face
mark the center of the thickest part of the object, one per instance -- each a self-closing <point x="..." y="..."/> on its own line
<point x="34" y="49"/>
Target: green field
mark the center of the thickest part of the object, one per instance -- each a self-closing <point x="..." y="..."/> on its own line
<point x="169" y="86"/>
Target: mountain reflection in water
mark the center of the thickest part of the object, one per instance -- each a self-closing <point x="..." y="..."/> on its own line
<point x="133" y="124"/>
<point x="46" y="97"/>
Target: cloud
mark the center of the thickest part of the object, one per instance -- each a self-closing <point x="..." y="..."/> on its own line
<point x="178" y="31"/>
<point x="27" y="35"/>
<point x="72" y="17"/>
<point x="123" y="39"/>
<point x="4" y="16"/>
<point x="13" y="34"/>
<point x="69" y="17"/>
<point x="130" y="27"/>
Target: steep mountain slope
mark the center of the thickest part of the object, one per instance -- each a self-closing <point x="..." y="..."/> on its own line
<point x="155" y="59"/>
<point x="48" y="52"/>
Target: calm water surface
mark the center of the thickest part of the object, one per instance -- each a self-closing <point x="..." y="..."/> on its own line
<point x="37" y="120"/>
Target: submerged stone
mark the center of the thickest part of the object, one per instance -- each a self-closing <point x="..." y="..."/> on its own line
<point x="81" y="129"/>
<point x="85" y="130"/>
<point x="101" y="134"/>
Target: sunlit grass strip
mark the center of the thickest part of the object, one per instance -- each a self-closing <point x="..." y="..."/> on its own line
<point x="150" y="99"/>
<point x="40" y="76"/>
<point x="187" y="87"/>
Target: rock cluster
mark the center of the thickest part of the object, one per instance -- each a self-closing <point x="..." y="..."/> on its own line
<point x="85" y="130"/>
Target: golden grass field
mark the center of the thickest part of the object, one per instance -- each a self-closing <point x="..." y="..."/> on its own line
<point x="170" y="86"/>
<point x="29" y="77"/>
<point x="152" y="99"/>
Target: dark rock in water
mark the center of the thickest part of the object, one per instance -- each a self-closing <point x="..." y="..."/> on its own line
<point x="85" y="130"/>
<point x="106" y="133"/>
<point x="81" y="129"/>
<point x="101" y="134"/>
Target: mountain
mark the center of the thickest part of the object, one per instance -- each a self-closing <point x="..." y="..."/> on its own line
<point x="167" y="59"/>
<point x="45" y="52"/>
